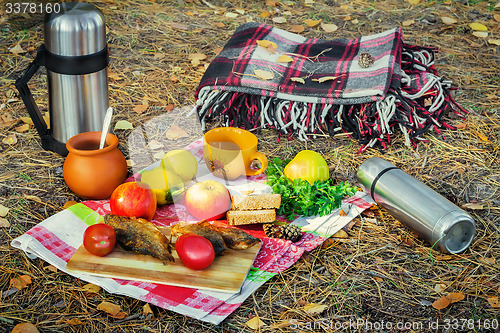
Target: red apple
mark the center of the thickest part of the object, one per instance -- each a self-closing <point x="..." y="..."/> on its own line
<point x="208" y="200"/>
<point x="133" y="200"/>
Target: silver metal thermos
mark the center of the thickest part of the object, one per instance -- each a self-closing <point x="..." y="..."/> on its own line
<point x="75" y="56"/>
<point x="444" y="225"/>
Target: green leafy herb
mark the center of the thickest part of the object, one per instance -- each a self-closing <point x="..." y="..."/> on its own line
<point x="298" y="197"/>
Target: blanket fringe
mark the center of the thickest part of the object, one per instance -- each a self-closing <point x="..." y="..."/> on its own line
<point x="419" y="104"/>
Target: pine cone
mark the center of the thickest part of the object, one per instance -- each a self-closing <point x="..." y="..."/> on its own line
<point x="365" y="60"/>
<point x="291" y="232"/>
<point x="272" y="230"/>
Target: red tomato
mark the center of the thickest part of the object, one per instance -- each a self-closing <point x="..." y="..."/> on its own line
<point x="99" y="239"/>
<point x="195" y="252"/>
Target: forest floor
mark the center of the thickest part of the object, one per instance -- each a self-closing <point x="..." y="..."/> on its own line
<point x="381" y="273"/>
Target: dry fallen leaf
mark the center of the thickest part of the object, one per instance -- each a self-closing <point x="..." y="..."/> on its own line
<point x="139" y="109"/>
<point x="3" y="211"/>
<point x="4" y="223"/>
<point x="297" y="28"/>
<point x="493" y="301"/>
<point x="175" y="133"/>
<point x="284" y="58"/>
<point x="283" y="324"/>
<point x="220" y="25"/>
<point x="407" y="23"/>
<point x="265" y="14"/>
<point x="10" y="139"/>
<point x="255" y="323"/>
<point x="196" y="58"/>
<point x="310" y="23"/>
<point x="22" y="128"/>
<point x="472" y="205"/>
<point x="73" y="322"/>
<point x="441" y="303"/>
<point x="268" y="45"/>
<point x="298" y="79"/>
<point x="413" y="2"/>
<point x="50" y="268"/>
<point x="109" y="308"/>
<point x="448" y="20"/>
<point x="263" y="75"/>
<point x="497" y="17"/>
<point x="314" y="309"/>
<point x="146" y="310"/>
<point x="279" y="19"/>
<point x="178" y="26"/>
<point x="478" y="27"/>
<point x="17" y="49"/>
<point x="123" y="125"/>
<point x="455" y="297"/>
<point x="480" y="34"/>
<point x="20" y="282"/>
<point x="340" y="234"/>
<point x="231" y="15"/>
<point x="155" y="144"/>
<point x="91" y="288"/>
<point x="494" y="41"/>
<point x="329" y="27"/>
<point x="24" y="328"/>
<point x="439" y="287"/>
<point x="69" y="203"/>
<point x="326" y="78"/>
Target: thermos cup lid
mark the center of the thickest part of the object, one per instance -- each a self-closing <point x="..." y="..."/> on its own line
<point x="77" y="29"/>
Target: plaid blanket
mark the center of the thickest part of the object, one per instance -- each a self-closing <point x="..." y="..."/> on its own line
<point x="268" y="77"/>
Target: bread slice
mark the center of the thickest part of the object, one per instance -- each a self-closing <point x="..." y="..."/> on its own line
<point x="240" y="217"/>
<point x="254" y="202"/>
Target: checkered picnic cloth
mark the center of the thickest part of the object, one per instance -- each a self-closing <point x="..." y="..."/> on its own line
<point x="57" y="238"/>
<point x="269" y="77"/>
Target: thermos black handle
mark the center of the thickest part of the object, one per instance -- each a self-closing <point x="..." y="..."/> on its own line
<point x="25" y="93"/>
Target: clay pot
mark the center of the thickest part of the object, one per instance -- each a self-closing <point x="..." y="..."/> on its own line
<point x="90" y="172"/>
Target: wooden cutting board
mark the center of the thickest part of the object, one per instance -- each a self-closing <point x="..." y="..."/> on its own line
<point x="225" y="274"/>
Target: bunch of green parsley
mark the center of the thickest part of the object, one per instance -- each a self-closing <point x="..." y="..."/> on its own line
<point x="298" y="197"/>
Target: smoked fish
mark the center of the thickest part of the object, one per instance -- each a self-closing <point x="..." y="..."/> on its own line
<point x="141" y="236"/>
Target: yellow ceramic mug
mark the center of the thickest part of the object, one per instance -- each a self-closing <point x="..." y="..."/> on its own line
<point x="230" y="151"/>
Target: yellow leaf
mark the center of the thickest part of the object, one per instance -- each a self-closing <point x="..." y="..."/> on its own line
<point x="497" y="17"/>
<point x="3" y="210"/>
<point x="91" y="288"/>
<point x="284" y="58"/>
<point x="483" y="137"/>
<point x="298" y="79"/>
<point x="231" y="15"/>
<point x="109" y="308"/>
<point x="220" y="25"/>
<point x="123" y="125"/>
<point x="146" y="310"/>
<point x="264" y="75"/>
<point x="455" y="297"/>
<point x="494" y="41"/>
<point x="22" y="128"/>
<point x="283" y="324"/>
<point x="139" y="109"/>
<point x="329" y="27"/>
<point x="268" y="45"/>
<point x="265" y="14"/>
<point x="407" y="23"/>
<point x="310" y="23"/>
<point x="480" y="34"/>
<point x="10" y="139"/>
<point x="493" y="301"/>
<point x="314" y="308"/>
<point x="51" y="268"/>
<point x="69" y="203"/>
<point x="326" y="78"/>
<point x="175" y="133"/>
<point x="413" y="2"/>
<point x="255" y="323"/>
<point x="441" y="303"/>
<point x="297" y="28"/>
<point x="478" y="27"/>
<point x="448" y="20"/>
<point x="340" y="234"/>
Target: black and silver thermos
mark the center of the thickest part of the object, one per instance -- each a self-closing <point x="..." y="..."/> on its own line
<point x="75" y="56"/>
